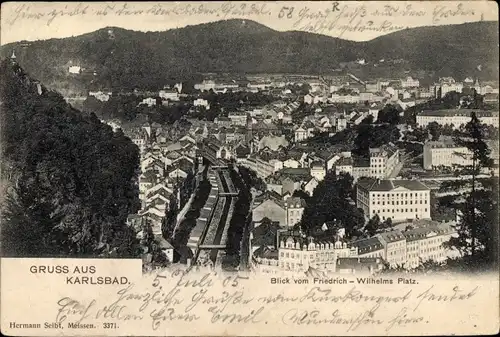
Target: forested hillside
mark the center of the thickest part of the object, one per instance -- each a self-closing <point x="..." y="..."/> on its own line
<point x="118" y="58"/>
<point x="68" y="179"/>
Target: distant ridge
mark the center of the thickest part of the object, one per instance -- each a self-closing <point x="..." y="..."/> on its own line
<point x="125" y="58"/>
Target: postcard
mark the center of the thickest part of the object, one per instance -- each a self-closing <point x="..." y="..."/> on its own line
<point x="256" y="168"/>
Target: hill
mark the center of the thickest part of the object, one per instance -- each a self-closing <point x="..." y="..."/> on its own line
<point x="126" y="59"/>
<point x="70" y="179"/>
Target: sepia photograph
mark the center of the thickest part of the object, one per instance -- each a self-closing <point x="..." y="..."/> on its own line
<point x="326" y="144"/>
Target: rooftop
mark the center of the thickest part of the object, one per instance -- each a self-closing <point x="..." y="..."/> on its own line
<point x="458" y="112"/>
<point x="374" y="185"/>
<point x="367" y="245"/>
<point x="393" y="236"/>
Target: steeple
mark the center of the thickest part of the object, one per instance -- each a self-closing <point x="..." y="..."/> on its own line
<point x="13" y="57"/>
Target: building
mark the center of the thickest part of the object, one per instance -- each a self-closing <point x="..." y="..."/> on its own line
<point x="445" y="153"/>
<point x="394" y="244"/>
<point x="383" y="160"/>
<point x="426" y="244"/>
<point x="398" y="200"/>
<point x="201" y="102"/>
<point x="456" y="117"/>
<point x="169" y="95"/>
<point x="341" y="123"/>
<point x="272" y="209"/>
<point x="294" y="207"/>
<point x="298" y="253"/>
<point x="305" y="131"/>
<point x="74" y="69"/>
<point x="223" y="121"/>
<point x="149" y="101"/>
<point x="262" y="168"/>
<point x="370" y="247"/>
<point x="101" y="96"/>
<point x="238" y="118"/>
<point x="410" y="82"/>
<point x="318" y="170"/>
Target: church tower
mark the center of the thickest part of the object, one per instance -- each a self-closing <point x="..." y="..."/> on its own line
<point x="13" y="57"/>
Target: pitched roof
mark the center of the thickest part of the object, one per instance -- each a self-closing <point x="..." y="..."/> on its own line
<point x="374" y="185"/>
<point x="295" y="202"/>
<point x="367" y="245"/>
<point x="392" y="236"/>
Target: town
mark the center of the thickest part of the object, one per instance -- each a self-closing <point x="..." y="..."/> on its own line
<point x="302" y="173"/>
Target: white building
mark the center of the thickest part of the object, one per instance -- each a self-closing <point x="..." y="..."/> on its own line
<point x="399" y="200"/>
<point x="149" y="101"/>
<point x="445" y="153"/>
<point x="456" y="117"/>
<point x="298" y="254"/>
<point x="410" y="82"/>
<point x="262" y="168"/>
<point x="294" y="209"/>
<point x="426" y="244"/>
<point x="318" y="170"/>
<point x="74" y="69"/>
<point x="101" y="96"/>
<point x="341" y="123"/>
<point x="201" y="102"/>
<point x="383" y="160"/>
<point x="166" y="94"/>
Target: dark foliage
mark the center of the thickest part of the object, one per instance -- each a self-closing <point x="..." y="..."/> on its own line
<point x="331" y="203"/>
<point x="71" y="178"/>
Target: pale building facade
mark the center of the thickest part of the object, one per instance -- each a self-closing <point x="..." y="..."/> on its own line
<point x="398" y="200"/>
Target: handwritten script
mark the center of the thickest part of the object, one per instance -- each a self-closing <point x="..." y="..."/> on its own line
<point x="334" y="18"/>
<point x="187" y="298"/>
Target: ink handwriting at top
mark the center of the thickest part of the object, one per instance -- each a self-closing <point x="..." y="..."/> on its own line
<point x="313" y="17"/>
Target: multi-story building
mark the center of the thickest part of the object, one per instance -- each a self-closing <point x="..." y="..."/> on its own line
<point x="426" y="243"/>
<point x="398" y="200"/>
<point x="456" y="117"/>
<point x="169" y="94"/>
<point x="304" y="131"/>
<point x="201" y="102"/>
<point x="297" y="253"/>
<point x="238" y="118"/>
<point x="341" y="123"/>
<point x="370" y="247"/>
<point x="294" y="207"/>
<point x="318" y="170"/>
<point x="410" y="82"/>
<point x="262" y="168"/>
<point x="383" y="160"/>
<point x="394" y="247"/>
<point x="445" y="153"/>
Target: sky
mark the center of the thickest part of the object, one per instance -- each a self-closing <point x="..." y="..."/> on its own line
<point x="352" y="20"/>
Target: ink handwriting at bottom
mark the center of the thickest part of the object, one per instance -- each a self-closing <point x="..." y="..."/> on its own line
<point x="170" y="314"/>
<point x="74" y="310"/>
<point x="314" y="317"/>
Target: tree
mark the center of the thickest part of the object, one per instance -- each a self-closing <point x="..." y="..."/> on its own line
<point x="388" y="114"/>
<point x="373" y="225"/>
<point x="477" y="205"/>
<point x="331" y="202"/>
<point x="72" y="180"/>
<point x="368" y="120"/>
<point x="387" y="223"/>
<point x="435" y="130"/>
